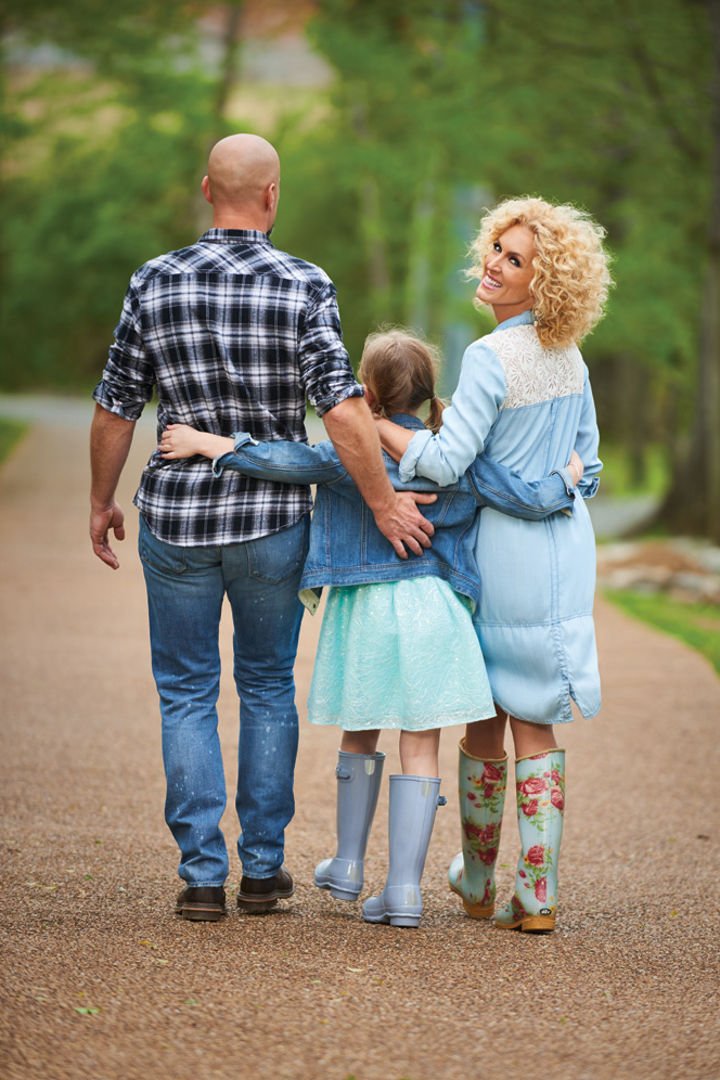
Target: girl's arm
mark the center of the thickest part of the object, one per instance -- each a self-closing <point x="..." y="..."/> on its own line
<point x="499" y="487"/>
<point x="283" y="461"/>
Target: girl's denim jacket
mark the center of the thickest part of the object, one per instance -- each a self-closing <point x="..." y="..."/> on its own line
<point x="346" y="546"/>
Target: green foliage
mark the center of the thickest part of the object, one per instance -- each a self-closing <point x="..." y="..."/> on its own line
<point x="103" y="161"/>
<point x="435" y="111"/>
<point x="11" y="431"/>
<point x="698" y="625"/>
<point x="604" y="107"/>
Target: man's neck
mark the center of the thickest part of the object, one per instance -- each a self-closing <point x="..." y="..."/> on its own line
<point x="240" y="221"/>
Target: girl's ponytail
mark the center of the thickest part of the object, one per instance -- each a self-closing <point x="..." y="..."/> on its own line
<point x="434" y="420"/>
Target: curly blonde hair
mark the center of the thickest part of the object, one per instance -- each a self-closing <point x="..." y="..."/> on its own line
<point x="571" y="276"/>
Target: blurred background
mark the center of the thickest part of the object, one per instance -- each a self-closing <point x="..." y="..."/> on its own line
<point x="395" y="124"/>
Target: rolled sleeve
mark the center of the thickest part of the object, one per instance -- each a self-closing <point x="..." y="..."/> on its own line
<point x="128" y="380"/>
<point x="326" y="374"/>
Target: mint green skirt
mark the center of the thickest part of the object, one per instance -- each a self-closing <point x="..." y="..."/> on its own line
<point x="400" y="654"/>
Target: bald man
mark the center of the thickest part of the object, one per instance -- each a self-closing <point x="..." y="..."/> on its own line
<point x="232" y="335"/>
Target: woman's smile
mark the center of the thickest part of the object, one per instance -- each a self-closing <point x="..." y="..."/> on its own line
<point x="489" y="282"/>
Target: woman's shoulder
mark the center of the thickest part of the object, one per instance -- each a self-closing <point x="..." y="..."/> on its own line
<point x="533" y="372"/>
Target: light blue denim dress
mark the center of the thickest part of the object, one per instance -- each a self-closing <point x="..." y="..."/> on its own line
<point x="527" y="407"/>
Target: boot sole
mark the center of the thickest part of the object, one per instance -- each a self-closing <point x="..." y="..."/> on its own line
<point x="338" y="894"/>
<point x="532" y="924"/>
<point x="263" y="903"/>
<point x="475" y="911"/>
<point x="395" y="920"/>
<point x="200" y="914"/>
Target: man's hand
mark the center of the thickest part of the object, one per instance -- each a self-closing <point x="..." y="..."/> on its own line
<point x="402" y="523"/>
<point x="101" y="521"/>
<point x="110" y="438"/>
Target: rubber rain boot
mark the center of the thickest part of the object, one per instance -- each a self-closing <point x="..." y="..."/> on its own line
<point x="358" y="784"/>
<point x="413" y="803"/>
<point x="481" y="786"/>
<point x="540" y="783"/>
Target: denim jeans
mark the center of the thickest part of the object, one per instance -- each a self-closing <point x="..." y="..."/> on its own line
<point x="186" y="587"/>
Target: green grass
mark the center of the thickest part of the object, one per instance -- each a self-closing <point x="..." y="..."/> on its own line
<point x="11" y="431"/>
<point x="697" y="625"/>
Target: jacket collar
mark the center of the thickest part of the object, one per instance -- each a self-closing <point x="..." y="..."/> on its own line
<point x="406" y="420"/>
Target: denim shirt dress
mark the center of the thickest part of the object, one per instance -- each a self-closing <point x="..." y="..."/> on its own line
<point x="526" y="407"/>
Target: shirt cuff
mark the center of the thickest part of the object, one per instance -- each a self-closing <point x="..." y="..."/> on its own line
<point x="241" y="438"/>
<point x="409" y="460"/>
<point x="332" y="398"/>
<point x="566" y="478"/>
<point x="104" y="396"/>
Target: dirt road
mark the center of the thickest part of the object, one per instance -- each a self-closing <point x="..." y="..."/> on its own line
<point x="101" y="981"/>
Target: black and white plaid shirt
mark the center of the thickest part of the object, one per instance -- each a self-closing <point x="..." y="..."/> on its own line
<point x="232" y="334"/>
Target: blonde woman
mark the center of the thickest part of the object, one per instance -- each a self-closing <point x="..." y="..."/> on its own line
<point x="524" y="400"/>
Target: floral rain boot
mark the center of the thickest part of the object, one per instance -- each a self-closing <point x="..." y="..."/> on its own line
<point x="471" y="875"/>
<point x="358" y="784"/>
<point x="540" y="783"/>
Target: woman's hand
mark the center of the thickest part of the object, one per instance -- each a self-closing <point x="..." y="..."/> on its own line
<point x="576" y="467"/>
<point x="182" y="441"/>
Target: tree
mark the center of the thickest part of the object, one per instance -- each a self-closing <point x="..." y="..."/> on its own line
<point x="103" y="156"/>
<point x="607" y="106"/>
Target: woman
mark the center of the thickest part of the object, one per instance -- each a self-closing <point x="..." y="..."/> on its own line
<point x="524" y="399"/>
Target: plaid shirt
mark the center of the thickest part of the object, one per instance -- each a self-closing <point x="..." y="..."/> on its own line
<point x="232" y="335"/>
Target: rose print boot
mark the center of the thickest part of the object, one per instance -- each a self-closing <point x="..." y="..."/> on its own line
<point x="471" y="875"/>
<point x="540" y="783"/>
<point x="413" y="803"/>
<point x="358" y="784"/>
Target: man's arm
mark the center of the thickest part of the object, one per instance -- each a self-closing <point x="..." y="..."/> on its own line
<point x="110" y="439"/>
<point x="351" y="428"/>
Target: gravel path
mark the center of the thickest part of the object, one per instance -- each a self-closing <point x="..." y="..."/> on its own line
<point x="101" y="981"/>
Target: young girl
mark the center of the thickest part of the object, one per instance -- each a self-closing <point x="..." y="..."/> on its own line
<point x="397" y="647"/>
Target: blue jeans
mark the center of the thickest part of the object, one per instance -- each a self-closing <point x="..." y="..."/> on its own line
<point x="186" y="587"/>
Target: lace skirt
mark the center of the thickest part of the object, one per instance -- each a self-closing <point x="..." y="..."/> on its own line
<point x="400" y="654"/>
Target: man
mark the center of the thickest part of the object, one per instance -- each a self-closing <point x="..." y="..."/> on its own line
<point x="231" y="334"/>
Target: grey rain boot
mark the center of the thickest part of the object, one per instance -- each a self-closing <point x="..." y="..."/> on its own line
<point x="358" y="784"/>
<point x="413" y="802"/>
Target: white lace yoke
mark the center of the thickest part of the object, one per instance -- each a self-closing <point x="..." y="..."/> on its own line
<point x="532" y="373"/>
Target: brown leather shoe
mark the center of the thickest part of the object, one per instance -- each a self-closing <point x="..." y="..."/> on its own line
<point x="201" y="903"/>
<point x="257" y="895"/>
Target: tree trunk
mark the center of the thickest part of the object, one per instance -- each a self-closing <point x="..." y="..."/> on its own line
<point x="693" y="502"/>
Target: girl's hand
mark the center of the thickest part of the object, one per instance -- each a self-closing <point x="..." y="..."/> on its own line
<point x="180" y="441"/>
